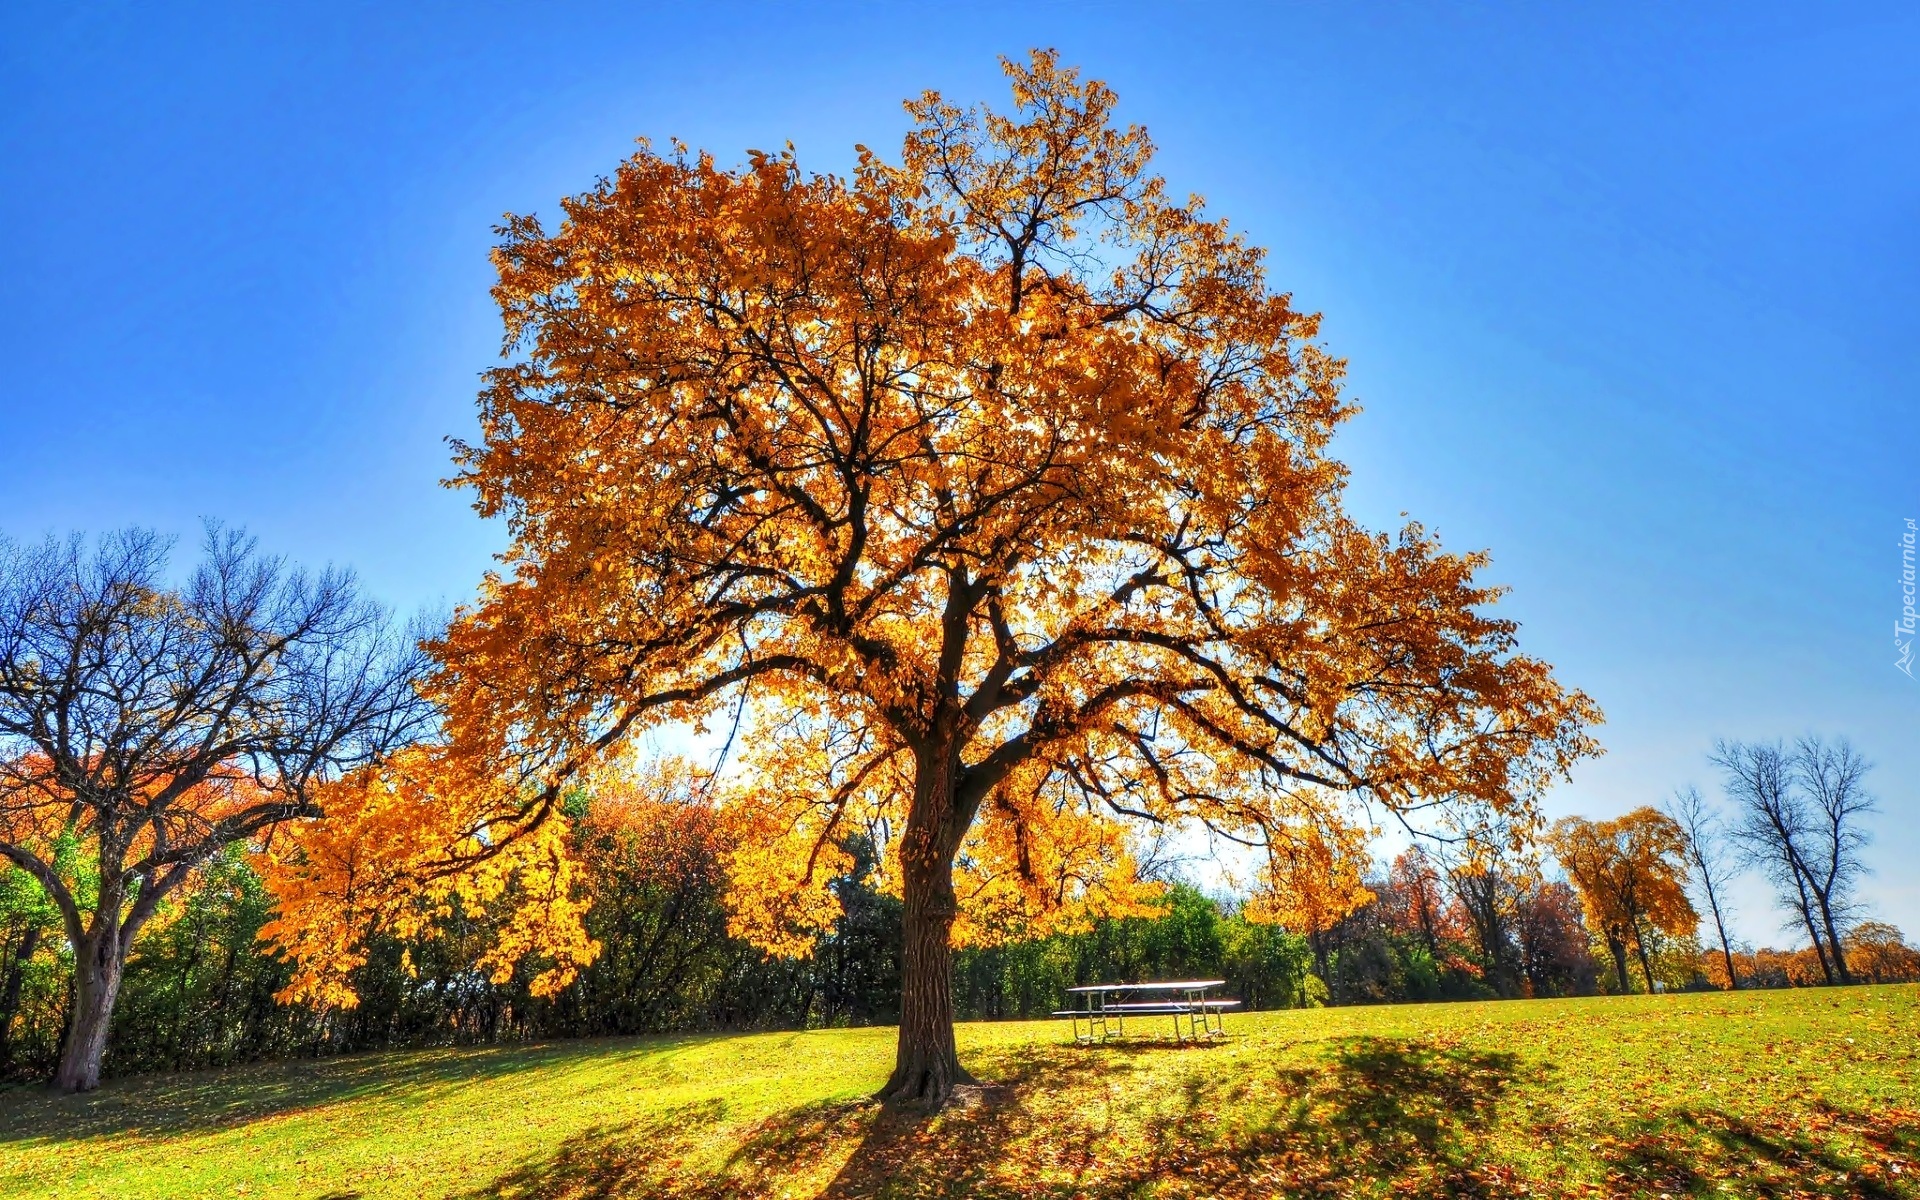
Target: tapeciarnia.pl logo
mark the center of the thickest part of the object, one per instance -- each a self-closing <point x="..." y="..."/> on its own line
<point x="1903" y="628"/>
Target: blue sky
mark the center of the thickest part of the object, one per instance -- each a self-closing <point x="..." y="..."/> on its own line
<point x="1627" y="293"/>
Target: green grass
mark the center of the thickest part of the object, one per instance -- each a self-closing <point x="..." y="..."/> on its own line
<point x="1780" y="1093"/>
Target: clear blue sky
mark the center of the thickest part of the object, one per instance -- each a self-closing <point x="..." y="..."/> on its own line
<point x="1628" y="294"/>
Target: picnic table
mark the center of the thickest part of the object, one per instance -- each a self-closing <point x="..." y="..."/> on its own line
<point x="1105" y="1007"/>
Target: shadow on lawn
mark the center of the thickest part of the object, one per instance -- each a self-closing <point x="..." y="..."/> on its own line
<point x="164" y="1105"/>
<point x="1053" y="1123"/>
<point x="1373" y="1117"/>
<point x="1701" y="1153"/>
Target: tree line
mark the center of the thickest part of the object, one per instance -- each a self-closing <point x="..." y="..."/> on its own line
<point x="199" y="992"/>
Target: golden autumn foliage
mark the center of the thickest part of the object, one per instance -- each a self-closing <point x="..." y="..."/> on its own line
<point x="1631" y="873"/>
<point x="988" y="490"/>
<point x="1060" y="866"/>
<point x="1313" y="876"/>
<point x="39" y="817"/>
<point x="38" y="809"/>
<point x="656" y="828"/>
<point x="1882" y="950"/>
<point x="1765" y="968"/>
<point x="1415" y="901"/>
<point x="1878" y="953"/>
<point x="399" y="850"/>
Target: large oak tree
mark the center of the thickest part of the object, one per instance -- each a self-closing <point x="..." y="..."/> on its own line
<point x="986" y="494"/>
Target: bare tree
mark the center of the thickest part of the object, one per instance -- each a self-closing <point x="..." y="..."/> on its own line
<point x="1800" y="814"/>
<point x="1832" y="780"/>
<point x="1706" y="853"/>
<point x="1772" y="829"/>
<point x="151" y="726"/>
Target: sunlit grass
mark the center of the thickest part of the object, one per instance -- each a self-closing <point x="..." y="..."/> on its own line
<point x="1753" y="1093"/>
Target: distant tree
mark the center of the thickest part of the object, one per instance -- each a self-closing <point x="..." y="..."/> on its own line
<point x="1774" y="830"/>
<point x="1487" y="872"/>
<point x="1832" y="780"/>
<point x="27" y="918"/>
<point x="1556" y="954"/>
<point x="1267" y="966"/>
<point x="1878" y="953"/>
<point x="1415" y="900"/>
<point x="999" y="478"/>
<point x="1314" y="878"/>
<point x="1770" y="968"/>
<point x="144" y="728"/>
<point x="858" y="960"/>
<point x="197" y="990"/>
<point x="1485" y="890"/>
<point x="1706" y="852"/>
<point x="652" y="870"/>
<point x="1631" y="874"/>
<point x="1800" y="821"/>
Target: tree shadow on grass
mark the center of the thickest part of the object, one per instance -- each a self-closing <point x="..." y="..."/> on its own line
<point x="1823" y="1151"/>
<point x="1374" y="1116"/>
<point x="938" y="1154"/>
<point x="640" y="1158"/>
<point x="202" y="1101"/>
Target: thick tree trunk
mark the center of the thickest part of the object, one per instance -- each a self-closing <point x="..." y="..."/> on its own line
<point x="926" y="1064"/>
<point x="1618" y="949"/>
<point x="98" y="966"/>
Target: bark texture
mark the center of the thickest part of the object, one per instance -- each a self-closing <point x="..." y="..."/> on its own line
<point x="99" y="965"/>
<point x="926" y="1064"/>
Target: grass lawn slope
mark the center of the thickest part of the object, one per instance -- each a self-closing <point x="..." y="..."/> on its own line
<point x="1811" y="1092"/>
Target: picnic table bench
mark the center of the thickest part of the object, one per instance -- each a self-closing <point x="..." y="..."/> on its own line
<point x="1178" y="998"/>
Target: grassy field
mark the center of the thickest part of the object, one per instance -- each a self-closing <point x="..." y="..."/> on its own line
<point x="1780" y="1093"/>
